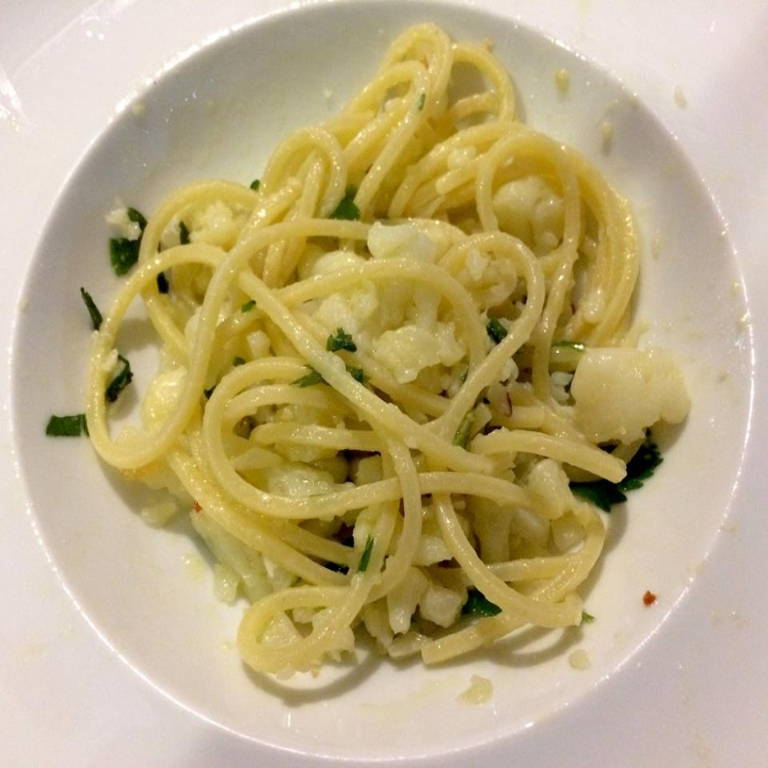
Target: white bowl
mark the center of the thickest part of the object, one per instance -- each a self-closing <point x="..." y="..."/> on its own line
<point x="219" y="113"/>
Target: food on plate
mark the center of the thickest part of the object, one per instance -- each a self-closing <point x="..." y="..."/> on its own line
<point x="396" y="380"/>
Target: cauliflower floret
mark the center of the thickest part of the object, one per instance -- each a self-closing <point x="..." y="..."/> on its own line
<point x="299" y="481"/>
<point x="618" y="393"/>
<point x="550" y="483"/>
<point x="162" y="395"/>
<point x="440" y="605"/>
<point x="258" y="344"/>
<point x="529" y="209"/>
<point x="123" y="225"/>
<point x="408" y="350"/>
<point x="401" y="241"/>
<point x="350" y="310"/>
<point x="490" y="280"/>
<point x="404" y="598"/>
<point x="217" y="225"/>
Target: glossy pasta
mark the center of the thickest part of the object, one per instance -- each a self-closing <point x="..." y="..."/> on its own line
<point x="366" y="394"/>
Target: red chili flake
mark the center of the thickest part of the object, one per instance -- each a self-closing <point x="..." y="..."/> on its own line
<point x="196" y="507"/>
<point x="649" y="598"/>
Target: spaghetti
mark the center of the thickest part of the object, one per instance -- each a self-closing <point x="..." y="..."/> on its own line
<point x="382" y="368"/>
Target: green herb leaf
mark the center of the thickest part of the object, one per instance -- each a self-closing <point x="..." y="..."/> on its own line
<point x="603" y="494"/>
<point x="238" y="361"/>
<point x="162" y="283"/>
<point x="462" y="433"/>
<point x="255" y="184"/>
<point x="496" y="330"/>
<point x="67" y="426"/>
<point x="478" y="605"/>
<point x="347" y="209"/>
<point x="248" y="305"/>
<point x="422" y="99"/>
<point x="123" y="254"/>
<point x="93" y="310"/>
<point x="586" y="618"/>
<point x="183" y="234"/>
<point x="313" y="377"/>
<point x="136" y="217"/>
<point x="121" y="381"/>
<point x="340" y="340"/>
<point x="366" y="556"/>
<point x="641" y="466"/>
<point x="357" y="374"/>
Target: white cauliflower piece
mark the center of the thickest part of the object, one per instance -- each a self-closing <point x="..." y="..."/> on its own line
<point x="490" y="279"/>
<point x="620" y="392"/>
<point x="408" y="350"/>
<point x="162" y="395"/>
<point x="401" y="241"/>
<point x="530" y="210"/>
<point x="299" y="481"/>
<point x="559" y="381"/>
<point x="403" y="599"/>
<point x="258" y="344"/>
<point x="550" y="483"/>
<point x="350" y="309"/>
<point x="217" y="225"/>
<point x="119" y="220"/>
<point x="440" y="605"/>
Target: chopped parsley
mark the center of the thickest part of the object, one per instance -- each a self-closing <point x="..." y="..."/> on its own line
<point x="356" y="373"/>
<point x="422" y="99"/>
<point x="347" y="209"/>
<point x="641" y="466"/>
<point x="93" y="310"/>
<point x="183" y="234"/>
<point x="67" y="426"/>
<point x="603" y="494"/>
<point x="496" y="330"/>
<point x="340" y="340"/>
<point x="586" y="618"/>
<point x="136" y="217"/>
<point x="313" y="377"/>
<point x="238" y="361"/>
<point x="366" y="556"/>
<point x="162" y="283"/>
<point x="461" y="437"/>
<point x="121" y="381"/>
<point x="478" y="605"/>
<point x="248" y="305"/>
<point x="255" y="184"/>
<point x="124" y="253"/>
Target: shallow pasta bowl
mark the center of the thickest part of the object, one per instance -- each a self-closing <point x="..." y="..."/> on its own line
<point x="218" y="114"/>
